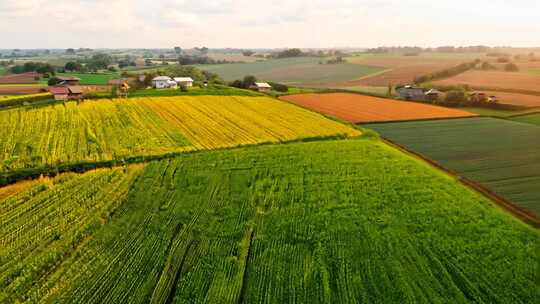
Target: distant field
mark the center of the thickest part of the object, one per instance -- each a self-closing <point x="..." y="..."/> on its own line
<point x="524" y="100"/>
<point x="24" y="78"/>
<point x="104" y="130"/>
<point x="531" y="119"/>
<point x="304" y="71"/>
<point x="20" y="89"/>
<point x="321" y="222"/>
<point x="363" y="109"/>
<point x="382" y="91"/>
<point x="403" y="69"/>
<point x="3" y="70"/>
<point x="90" y="78"/>
<point x="237" y="57"/>
<point x="497" y="112"/>
<point x="502" y="155"/>
<point x="496" y="80"/>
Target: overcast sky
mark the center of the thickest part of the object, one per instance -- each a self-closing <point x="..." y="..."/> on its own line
<point x="270" y="23"/>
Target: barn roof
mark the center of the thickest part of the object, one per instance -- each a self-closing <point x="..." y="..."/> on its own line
<point x="75" y="89"/>
<point x="58" y="90"/>
<point x="161" y="78"/>
<point x="263" y="85"/>
<point x="183" y="79"/>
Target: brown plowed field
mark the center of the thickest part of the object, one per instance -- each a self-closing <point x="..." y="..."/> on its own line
<point x="364" y="109"/>
<point x="20" y="90"/>
<point x="19" y="78"/>
<point x="515" y="99"/>
<point x="401" y="75"/>
<point x="495" y="80"/>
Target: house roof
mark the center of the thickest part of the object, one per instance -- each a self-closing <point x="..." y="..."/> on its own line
<point x="75" y="89"/>
<point x="58" y="90"/>
<point x="262" y="85"/>
<point x="183" y="79"/>
<point x="68" y="78"/>
<point x="433" y="91"/>
<point x="161" y="78"/>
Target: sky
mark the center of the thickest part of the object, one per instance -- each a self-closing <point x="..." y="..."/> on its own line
<point x="267" y="24"/>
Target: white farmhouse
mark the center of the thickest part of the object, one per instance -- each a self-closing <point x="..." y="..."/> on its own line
<point x="261" y="87"/>
<point x="184" y="81"/>
<point x="163" y="82"/>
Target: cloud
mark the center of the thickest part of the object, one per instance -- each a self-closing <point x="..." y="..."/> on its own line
<point x="255" y="23"/>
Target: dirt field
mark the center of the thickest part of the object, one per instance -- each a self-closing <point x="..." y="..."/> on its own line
<point x="495" y="80"/>
<point x="19" y="78"/>
<point x="400" y="75"/>
<point x="517" y="99"/>
<point x="364" y="109"/>
<point x="403" y="69"/>
<point x="20" y="90"/>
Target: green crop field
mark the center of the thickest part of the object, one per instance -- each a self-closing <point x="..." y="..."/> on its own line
<point x="305" y="71"/>
<point x="92" y="78"/>
<point x="502" y="155"/>
<point x="530" y="118"/>
<point x="498" y="112"/>
<point x="115" y="130"/>
<point x="321" y="222"/>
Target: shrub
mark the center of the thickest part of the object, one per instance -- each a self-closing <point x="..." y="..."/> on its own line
<point x="503" y="60"/>
<point x="511" y="67"/>
<point x="279" y="87"/>
<point x="53" y="81"/>
<point x="454" y="98"/>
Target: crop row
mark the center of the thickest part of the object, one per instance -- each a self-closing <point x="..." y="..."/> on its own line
<point x="322" y="222"/>
<point x="47" y="220"/>
<point x="501" y="155"/>
<point x="104" y="130"/>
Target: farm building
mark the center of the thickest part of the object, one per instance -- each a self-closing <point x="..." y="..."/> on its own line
<point x="411" y="93"/>
<point x="66" y="92"/>
<point x="261" y="87"/>
<point x="163" y="82"/>
<point x="433" y="95"/>
<point x="478" y="97"/>
<point x="184" y="81"/>
<point x="69" y="80"/>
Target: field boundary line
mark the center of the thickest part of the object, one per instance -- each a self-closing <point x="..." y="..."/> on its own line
<point x="520" y="213"/>
<point x="419" y="120"/>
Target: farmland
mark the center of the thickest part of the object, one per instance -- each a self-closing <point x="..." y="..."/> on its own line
<point x="522" y="100"/>
<point x="92" y="78"/>
<point x="496" y="80"/>
<point x="501" y="155"/>
<point x="302" y="71"/>
<point x="529" y="118"/>
<point x="399" y="69"/>
<point x="323" y="222"/>
<point x="363" y="109"/>
<point x="105" y="130"/>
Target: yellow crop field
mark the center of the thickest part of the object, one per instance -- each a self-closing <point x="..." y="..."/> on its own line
<point x="102" y="130"/>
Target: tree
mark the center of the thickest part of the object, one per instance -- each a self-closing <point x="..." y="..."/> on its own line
<point x="204" y="50"/>
<point x="100" y="61"/>
<point x="248" y="53"/>
<point x="178" y="50"/>
<point x="53" y="81"/>
<point x="70" y="51"/>
<point x="249" y="80"/>
<point x="72" y="66"/>
<point x="455" y="98"/>
<point x="511" y="67"/>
